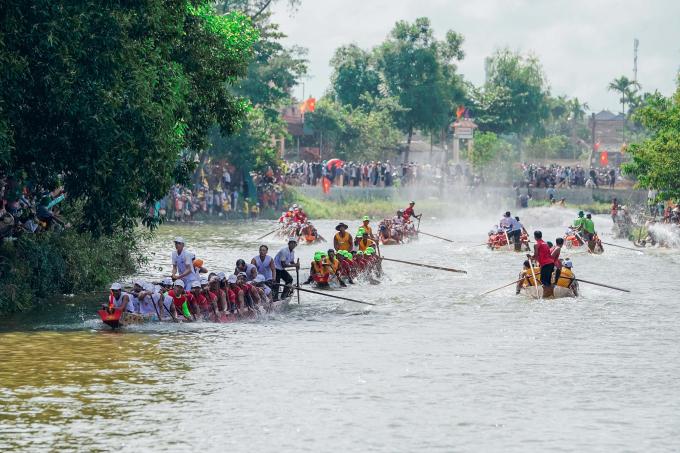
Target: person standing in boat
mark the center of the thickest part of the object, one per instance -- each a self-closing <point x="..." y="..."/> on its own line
<point x="265" y="265"/>
<point x="589" y="232"/>
<point x="555" y="253"/>
<point x="283" y="260"/>
<point x="410" y="212"/>
<point x="342" y="239"/>
<point x="182" y="263"/>
<point x="545" y="261"/>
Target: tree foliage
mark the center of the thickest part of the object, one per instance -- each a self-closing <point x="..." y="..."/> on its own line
<point x="106" y="95"/>
<point x="514" y="98"/>
<point x="656" y="161"/>
<point x="420" y="72"/>
<point x="355" y="134"/>
<point x="354" y="76"/>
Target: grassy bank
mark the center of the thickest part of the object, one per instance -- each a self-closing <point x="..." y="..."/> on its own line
<point x="354" y="209"/>
<point x="35" y="267"/>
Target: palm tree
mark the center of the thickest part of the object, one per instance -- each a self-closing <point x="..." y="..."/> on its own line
<point x="577" y="111"/>
<point x="627" y="89"/>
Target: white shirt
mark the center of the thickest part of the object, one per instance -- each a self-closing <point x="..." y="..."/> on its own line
<point x="286" y="256"/>
<point x="183" y="262"/>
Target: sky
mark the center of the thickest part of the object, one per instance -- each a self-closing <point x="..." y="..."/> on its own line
<point x="582" y="44"/>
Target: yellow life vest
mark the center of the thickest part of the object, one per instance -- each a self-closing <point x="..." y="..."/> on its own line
<point x="344" y="243"/>
<point x="566" y="277"/>
<point x="529" y="278"/>
<point x="363" y="245"/>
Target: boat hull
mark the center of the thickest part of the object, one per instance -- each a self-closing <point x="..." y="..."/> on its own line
<point x="558" y="293"/>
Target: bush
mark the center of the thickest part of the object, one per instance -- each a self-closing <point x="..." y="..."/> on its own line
<point x="35" y="267"/>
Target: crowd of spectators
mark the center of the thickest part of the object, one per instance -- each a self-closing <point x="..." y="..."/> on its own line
<point x="559" y="176"/>
<point x="372" y="173"/>
<point x="216" y="192"/>
<point x="28" y="210"/>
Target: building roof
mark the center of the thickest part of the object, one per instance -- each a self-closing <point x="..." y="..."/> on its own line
<point x="606" y="115"/>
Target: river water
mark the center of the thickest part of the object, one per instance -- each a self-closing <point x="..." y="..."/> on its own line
<point x="432" y="367"/>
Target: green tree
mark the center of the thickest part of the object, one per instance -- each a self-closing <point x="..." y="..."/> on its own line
<point x="656" y="161"/>
<point x="420" y="72"/>
<point x="354" y="76"/>
<point x="625" y="88"/>
<point x="106" y="96"/>
<point x="515" y="96"/>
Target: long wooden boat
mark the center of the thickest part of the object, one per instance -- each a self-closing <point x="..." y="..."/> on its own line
<point x="118" y="319"/>
<point x="558" y="291"/>
<point x="500" y="242"/>
<point x="574" y="245"/>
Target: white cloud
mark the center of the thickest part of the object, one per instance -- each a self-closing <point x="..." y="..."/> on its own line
<point x="583" y="44"/>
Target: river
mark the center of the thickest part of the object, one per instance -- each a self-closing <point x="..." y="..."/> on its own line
<point x="432" y="367"/>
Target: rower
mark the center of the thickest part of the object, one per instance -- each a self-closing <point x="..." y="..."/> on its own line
<point x="318" y="270"/>
<point x="567" y="279"/>
<point x="545" y="261"/>
<point x="334" y="266"/>
<point x="514" y="230"/>
<point x="263" y="288"/>
<point x="283" y="260"/>
<point x="264" y="264"/>
<point x="251" y="296"/>
<point x="364" y="242"/>
<point x="199" y="305"/>
<point x="409" y="212"/>
<point x="235" y="295"/>
<point x="179" y="301"/>
<point x="119" y="300"/>
<point x="147" y="298"/>
<point x="577" y="226"/>
<point x="342" y="239"/>
<point x="526" y="276"/>
<point x="182" y="263"/>
<point x="555" y="253"/>
<point x="589" y="232"/>
<point x="367" y="229"/>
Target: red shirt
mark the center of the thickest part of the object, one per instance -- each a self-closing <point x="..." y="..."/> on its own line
<point x="179" y="301"/>
<point x="408" y="212"/>
<point x="543" y="253"/>
<point x="202" y="302"/>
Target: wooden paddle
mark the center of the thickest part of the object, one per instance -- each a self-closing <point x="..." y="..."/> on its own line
<point x="536" y="282"/>
<point x="448" y="269"/>
<point x="603" y="285"/>
<point x="328" y="295"/>
<point x="620" y="246"/>
<point x="297" y="276"/>
<point x="500" y="287"/>
<point x="435" y="236"/>
<point x="273" y="231"/>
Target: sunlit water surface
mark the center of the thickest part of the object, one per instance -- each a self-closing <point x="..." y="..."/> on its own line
<point x="432" y="367"/>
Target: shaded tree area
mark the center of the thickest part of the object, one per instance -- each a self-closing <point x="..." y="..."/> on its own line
<point x="656" y="160"/>
<point x="104" y="97"/>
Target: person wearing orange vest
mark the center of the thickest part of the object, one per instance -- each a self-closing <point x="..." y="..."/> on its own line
<point x="364" y="242"/>
<point x="367" y="229"/>
<point x="342" y="239"/>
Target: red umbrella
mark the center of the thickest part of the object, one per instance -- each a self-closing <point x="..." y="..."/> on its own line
<point x="334" y="163"/>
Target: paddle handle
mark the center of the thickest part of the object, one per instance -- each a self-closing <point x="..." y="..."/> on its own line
<point x="603" y="285"/>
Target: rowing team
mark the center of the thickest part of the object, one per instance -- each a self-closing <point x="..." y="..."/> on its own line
<point x="189" y="295"/>
<point x="508" y="231"/>
<point x="400" y="227"/>
<point x="551" y="270"/>
<point x="295" y="214"/>
<point x="343" y="266"/>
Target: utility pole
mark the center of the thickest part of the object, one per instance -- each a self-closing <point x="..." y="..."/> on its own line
<point x="636" y="44"/>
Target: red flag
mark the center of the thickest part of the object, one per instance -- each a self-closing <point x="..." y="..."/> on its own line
<point x="326" y="185"/>
<point x="460" y="111"/>
<point x="311" y="104"/>
<point x="604" y="159"/>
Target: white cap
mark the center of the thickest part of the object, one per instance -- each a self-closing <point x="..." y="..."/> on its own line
<point x="204" y="279"/>
<point x="148" y="287"/>
<point x="241" y="274"/>
<point x="568" y="264"/>
<point x="195" y="284"/>
<point x="221" y="276"/>
<point x="231" y="279"/>
<point x="179" y="282"/>
<point x="179" y="239"/>
<point x="116" y="286"/>
<point x="295" y="205"/>
<point x="292" y="239"/>
<point x="259" y="278"/>
<point x="140" y="283"/>
<point x="167" y="281"/>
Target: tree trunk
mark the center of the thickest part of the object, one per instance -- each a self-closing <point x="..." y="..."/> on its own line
<point x="408" y="145"/>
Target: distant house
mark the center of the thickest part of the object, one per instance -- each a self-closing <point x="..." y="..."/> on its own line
<point x="607" y="131"/>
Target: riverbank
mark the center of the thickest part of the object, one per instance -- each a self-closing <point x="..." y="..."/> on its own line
<point x="35" y="267"/>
